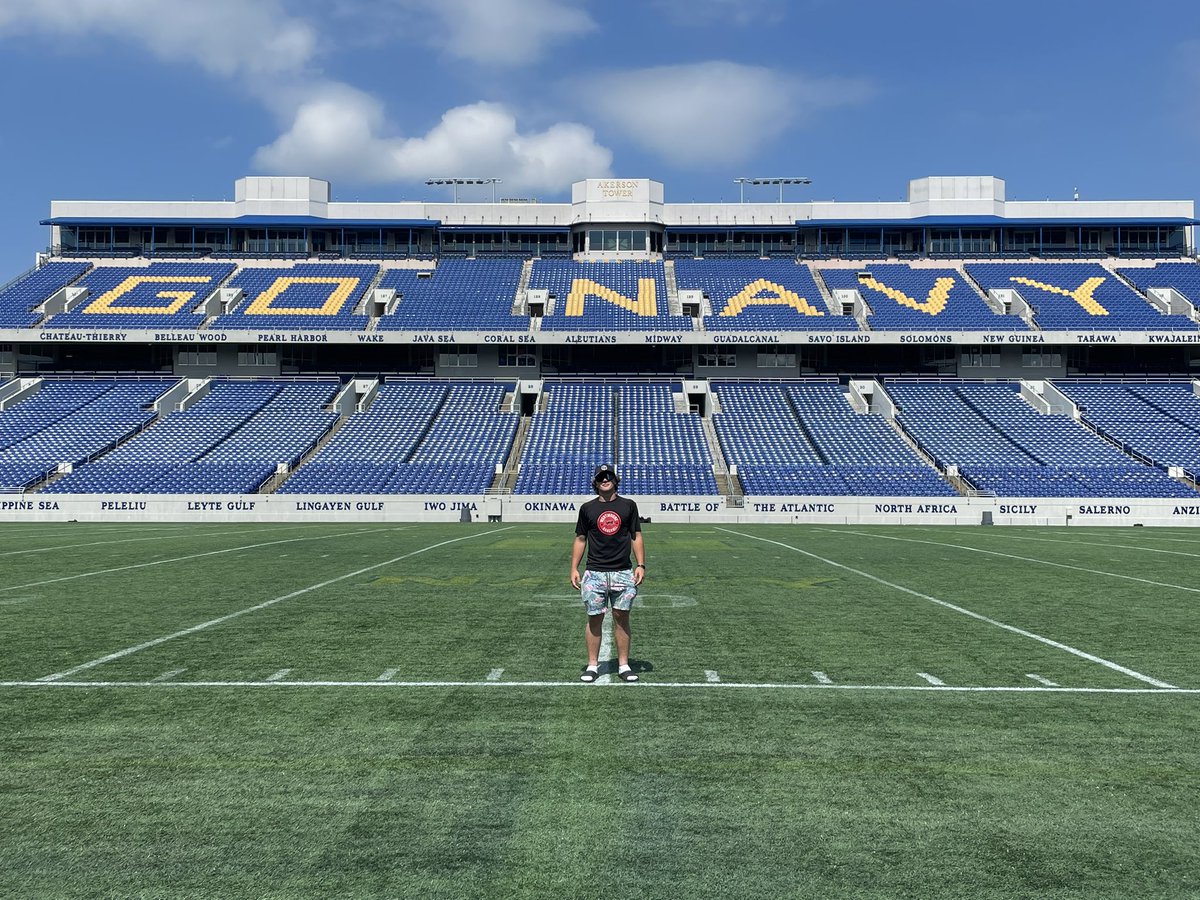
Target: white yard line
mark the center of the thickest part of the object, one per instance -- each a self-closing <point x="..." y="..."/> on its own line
<point x="157" y="537"/>
<point x="1029" y="559"/>
<point x="1040" y="680"/>
<point x="495" y="685"/>
<point x="606" y="649"/>
<point x="163" y="562"/>
<point x="959" y="609"/>
<point x="1078" y="543"/>
<point x="932" y="679"/>
<point x="241" y="612"/>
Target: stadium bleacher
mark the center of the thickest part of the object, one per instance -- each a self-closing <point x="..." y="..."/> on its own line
<point x="567" y="439"/>
<point x="902" y="297"/>
<point x="606" y="296"/>
<point x="1077" y="296"/>
<point x="1182" y="276"/>
<point x="439" y="436"/>
<point x="1156" y="420"/>
<point x="160" y="295"/>
<point x="229" y="441"/>
<point x="70" y="421"/>
<point x="759" y="294"/>
<point x="806" y="439"/>
<point x="459" y="293"/>
<point x="313" y="296"/>
<point x="660" y="450"/>
<point x="417" y="437"/>
<point x="1002" y="445"/>
<point x="18" y="300"/>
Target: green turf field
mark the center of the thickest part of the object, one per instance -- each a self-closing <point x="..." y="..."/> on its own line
<point x="381" y="710"/>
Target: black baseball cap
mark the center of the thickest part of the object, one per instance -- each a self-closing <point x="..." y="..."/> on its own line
<point x="604" y="470"/>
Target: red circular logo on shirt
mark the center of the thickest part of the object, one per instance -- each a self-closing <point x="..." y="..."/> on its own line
<point x="609" y="523"/>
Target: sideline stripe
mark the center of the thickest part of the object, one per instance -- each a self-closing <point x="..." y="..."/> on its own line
<point x="617" y="685"/>
<point x="241" y="612"/>
<point x="959" y="609"/>
<point x="163" y="562"/>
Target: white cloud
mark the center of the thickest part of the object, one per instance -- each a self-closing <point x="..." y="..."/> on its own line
<point x="1185" y="90"/>
<point x="714" y="112"/>
<point x="340" y="133"/>
<point x="506" y="32"/>
<point x="223" y="37"/>
<point x="333" y="129"/>
<point x="740" y="13"/>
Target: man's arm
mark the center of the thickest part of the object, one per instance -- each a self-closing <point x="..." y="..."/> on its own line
<point x="577" y="549"/>
<point x="639" y="559"/>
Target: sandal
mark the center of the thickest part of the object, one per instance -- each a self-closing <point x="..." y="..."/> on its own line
<point x="628" y="675"/>
<point x="590" y="674"/>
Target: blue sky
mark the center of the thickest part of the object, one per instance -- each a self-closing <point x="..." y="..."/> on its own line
<point x="173" y="99"/>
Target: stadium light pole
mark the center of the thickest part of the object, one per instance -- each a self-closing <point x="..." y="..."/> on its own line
<point x="779" y="181"/>
<point x="457" y="181"/>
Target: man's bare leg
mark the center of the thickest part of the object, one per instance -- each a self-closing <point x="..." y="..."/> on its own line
<point x="621" y="634"/>
<point x="591" y="635"/>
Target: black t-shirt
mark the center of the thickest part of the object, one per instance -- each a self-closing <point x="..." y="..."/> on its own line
<point x="609" y="529"/>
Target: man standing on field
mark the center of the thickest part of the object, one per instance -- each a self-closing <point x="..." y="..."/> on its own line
<point x="608" y="527"/>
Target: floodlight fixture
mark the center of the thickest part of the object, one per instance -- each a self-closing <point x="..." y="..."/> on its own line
<point x="457" y="181"/>
<point x="742" y="182"/>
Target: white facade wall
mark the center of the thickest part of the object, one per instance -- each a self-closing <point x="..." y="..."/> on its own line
<point x="626" y="201"/>
<point x="563" y="510"/>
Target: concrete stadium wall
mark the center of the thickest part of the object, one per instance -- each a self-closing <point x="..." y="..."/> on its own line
<point x="557" y="509"/>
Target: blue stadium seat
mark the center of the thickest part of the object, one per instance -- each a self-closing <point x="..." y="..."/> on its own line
<point x="1001" y="444"/>
<point x="1159" y="421"/>
<point x="1073" y="296"/>
<point x="475" y="294"/>
<point x="902" y="297"/>
<point x="806" y="439"/>
<point x="230" y="441"/>
<point x="567" y="439"/>
<point x="306" y="296"/>
<point x="606" y="296"/>
<point x="71" y="421"/>
<point x="19" y="299"/>
<point x="417" y="437"/>
<point x="759" y="294"/>
<point x="160" y="295"/>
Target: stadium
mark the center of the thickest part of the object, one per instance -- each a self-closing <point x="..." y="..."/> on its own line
<point x="952" y="359"/>
<point x="319" y="322"/>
